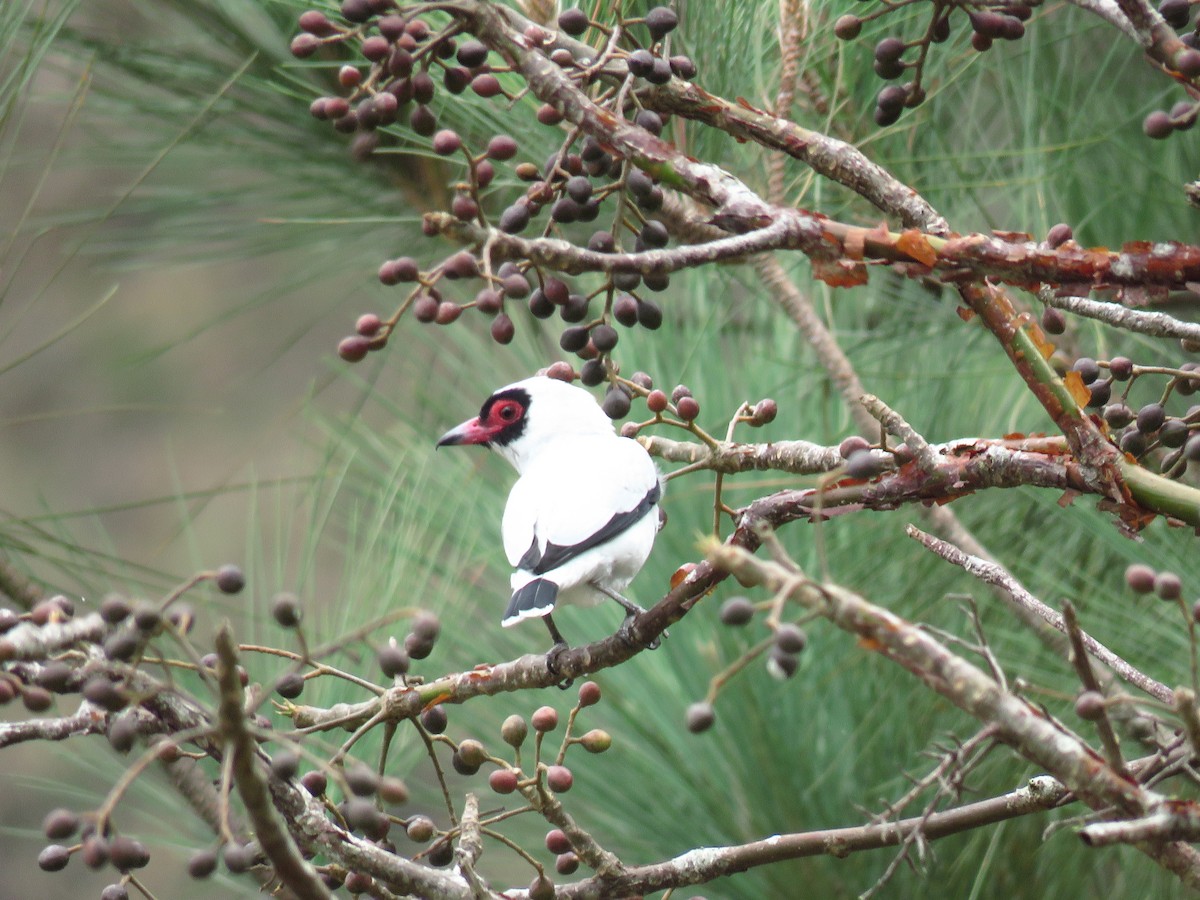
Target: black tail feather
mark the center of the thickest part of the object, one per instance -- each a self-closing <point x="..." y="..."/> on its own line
<point x="535" y="599"/>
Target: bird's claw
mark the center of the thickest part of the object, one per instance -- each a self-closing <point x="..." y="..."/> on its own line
<point x="560" y="647"/>
<point x="625" y="633"/>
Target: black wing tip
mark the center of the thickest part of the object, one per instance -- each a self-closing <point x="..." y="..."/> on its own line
<point x="537" y="598"/>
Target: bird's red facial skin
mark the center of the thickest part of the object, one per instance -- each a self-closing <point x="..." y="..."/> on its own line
<point x="500" y="421"/>
<point x="502" y="414"/>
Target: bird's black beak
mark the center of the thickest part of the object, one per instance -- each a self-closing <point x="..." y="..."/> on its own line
<point x="469" y="432"/>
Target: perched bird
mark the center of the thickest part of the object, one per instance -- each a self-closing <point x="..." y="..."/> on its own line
<point x="582" y="517"/>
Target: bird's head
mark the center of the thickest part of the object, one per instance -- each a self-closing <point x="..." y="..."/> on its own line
<point x="520" y="420"/>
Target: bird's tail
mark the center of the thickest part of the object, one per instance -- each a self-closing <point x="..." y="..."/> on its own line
<point x="534" y="599"/>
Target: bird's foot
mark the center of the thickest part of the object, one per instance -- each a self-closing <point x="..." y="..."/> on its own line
<point x="552" y="656"/>
<point x="625" y="633"/>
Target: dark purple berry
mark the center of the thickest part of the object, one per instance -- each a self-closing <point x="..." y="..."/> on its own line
<point x="540" y="305"/>
<point x="435" y="720"/>
<point x="661" y="21"/>
<point x="889" y="50"/>
<point x="579" y="188"/>
<point x="575" y="309"/>
<point x="1188" y="63"/>
<point x="700" y="717"/>
<point x="1191" y="450"/>
<point x="1087" y="368"/>
<point x="885" y="117"/>
<point x="1101" y="391"/>
<point x="616" y="403"/>
<point x="683" y="67"/>
<point x="1058" y="235"/>
<point x="557" y="842"/>
<point x="354" y="348"/>
<point x="654" y="234"/>
<point x="891" y="99"/>
<point x="565" y="210"/>
<point x="847" y="27"/>
<point x="574" y="339"/>
<point x="1054" y="321"/>
<point x="1120" y="368"/>
<point x="393" y="660"/>
<point x="625" y="310"/>
<point x="230" y="579"/>
<point x="573" y="21"/>
<point x="501" y="148"/>
<point x="60" y="824"/>
<point x="289" y="685"/>
<point x="604" y="337"/>
<point x="446" y="142"/>
<point x="54" y="858"/>
<point x="128" y="853"/>
<point x="592" y="372"/>
<point x="472" y="54"/>
<point x="1150" y="418"/>
<point x="422" y="121"/>
<point x="781" y="664"/>
<point x="626" y="281"/>
<point x="1140" y="578"/>
<point x="1168" y="586"/>
<point x="790" y="638"/>
<point x="1089" y="706"/>
<point x="650" y="315"/>
<point x="736" y="610"/>
<point x="548" y="115"/>
<point x="315" y="782"/>
<point x="1157" y="125"/>
<point x="649" y="120"/>
<point x="641" y="63"/>
<point x="688" y="408"/>
<point x="1118" y="415"/>
<point x="1173" y="433"/>
<point x="515" y="219"/>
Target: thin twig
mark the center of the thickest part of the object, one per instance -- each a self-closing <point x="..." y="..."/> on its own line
<point x="994" y="573"/>
<point x="1079" y="658"/>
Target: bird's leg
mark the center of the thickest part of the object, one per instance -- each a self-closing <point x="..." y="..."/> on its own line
<point x="631" y="610"/>
<point x="552" y="655"/>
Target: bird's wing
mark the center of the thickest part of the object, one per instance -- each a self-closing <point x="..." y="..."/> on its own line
<point x="582" y="495"/>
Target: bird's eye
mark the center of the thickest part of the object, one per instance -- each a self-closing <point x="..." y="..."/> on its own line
<point x="509" y="412"/>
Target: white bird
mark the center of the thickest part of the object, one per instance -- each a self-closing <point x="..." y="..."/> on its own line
<point x="582" y="517"/>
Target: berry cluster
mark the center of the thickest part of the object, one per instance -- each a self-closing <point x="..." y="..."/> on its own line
<point x="988" y="22"/>
<point x="119" y="679"/>
<point x="1147" y="431"/>
<point x="991" y="21"/>
<point x="400" y="58"/>
<point x="544" y="772"/>
<point x="783" y="655"/>
<point x="1142" y="579"/>
<point x="618" y="400"/>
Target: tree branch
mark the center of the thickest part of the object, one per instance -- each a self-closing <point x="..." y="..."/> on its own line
<point x="995" y="574"/>
<point x="270" y="831"/>
<point x="1022" y="725"/>
<point x="708" y="863"/>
